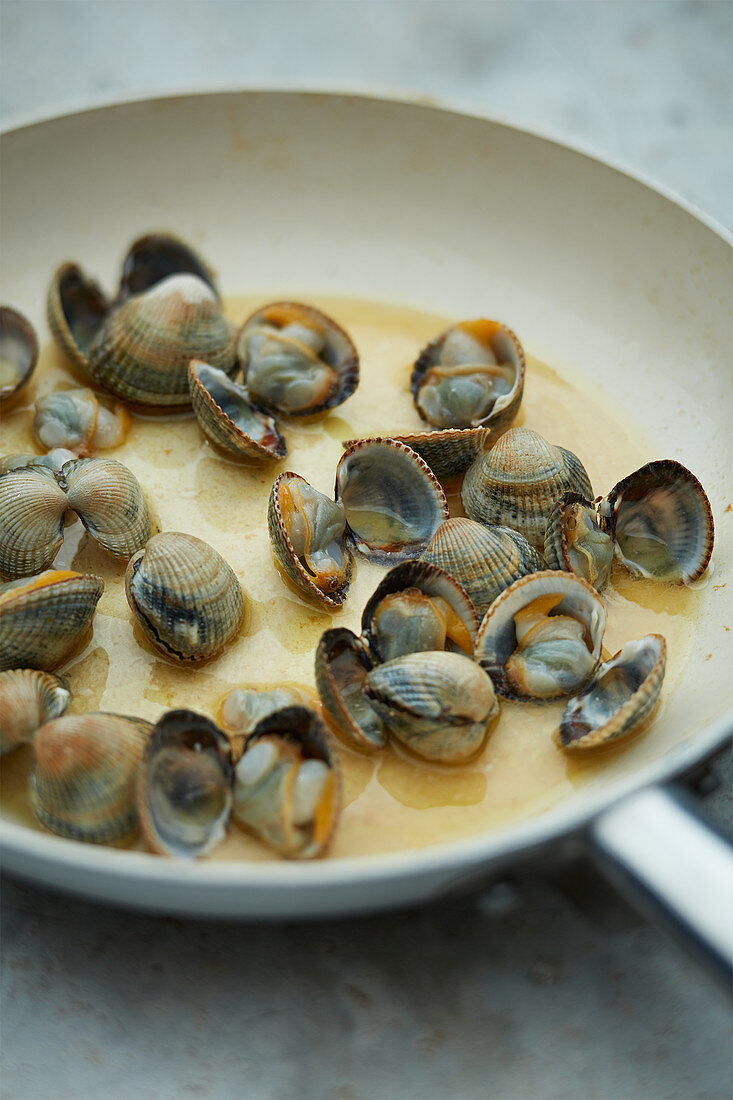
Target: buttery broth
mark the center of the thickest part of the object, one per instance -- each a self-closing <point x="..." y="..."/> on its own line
<point x="391" y="802"/>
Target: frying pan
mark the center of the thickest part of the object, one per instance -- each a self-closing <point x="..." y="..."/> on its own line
<point x="403" y="202"/>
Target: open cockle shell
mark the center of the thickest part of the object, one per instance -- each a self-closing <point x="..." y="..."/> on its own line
<point x="32" y="510"/>
<point x="184" y="793"/>
<point x="28" y="699"/>
<point x="18" y="355"/>
<point x="661" y="522"/>
<point x="621" y="695"/>
<point x="342" y="665"/>
<point x="484" y="560"/>
<point x="575" y="542"/>
<point x="439" y="705"/>
<point x="228" y="418"/>
<point x="515" y="628"/>
<point x="392" y="500"/>
<point x="142" y="352"/>
<point x="110" y="502"/>
<point x="448" y="451"/>
<point x="287" y="786"/>
<point x="243" y="708"/>
<point x="471" y="375"/>
<point x="84" y="782"/>
<point x="44" y="619"/>
<point x="296" y="360"/>
<point x="417" y="607"/>
<point x="307" y="536"/>
<point x="76" y="309"/>
<point x="185" y="597"/>
<point x="155" y="257"/>
<point x="518" y="482"/>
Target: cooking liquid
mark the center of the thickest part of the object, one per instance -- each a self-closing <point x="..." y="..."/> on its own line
<point x="391" y="801"/>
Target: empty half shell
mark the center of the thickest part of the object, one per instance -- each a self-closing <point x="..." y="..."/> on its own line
<point x="18" y="355"/>
<point x="307" y="535"/>
<point x="32" y="509"/>
<point x="44" y="619"/>
<point x="392" y="500"/>
<point x="575" y="541"/>
<point x="76" y="309"/>
<point x="621" y="695"/>
<point x="28" y="699"/>
<point x="155" y="257"/>
<point x="661" y="522"/>
<point x="471" y="375"/>
<point x="287" y="788"/>
<point x="448" y="452"/>
<point x="110" y="502"/>
<point x="484" y="560"/>
<point x="142" y="352"/>
<point x="185" y="597"/>
<point x="228" y="418"/>
<point x="418" y="607"/>
<point x="541" y="638"/>
<point x="185" y="785"/>
<point x="342" y="665"/>
<point x="439" y="705"/>
<point x="84" y="782"/>
<point x="296" y="360"/>
<point x="518" y="482"/>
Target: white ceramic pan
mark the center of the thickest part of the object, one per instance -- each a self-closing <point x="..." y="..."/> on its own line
<point x="425" y="207"/>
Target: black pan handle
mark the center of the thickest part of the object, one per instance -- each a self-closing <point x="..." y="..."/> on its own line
<point x="657" y="850"/>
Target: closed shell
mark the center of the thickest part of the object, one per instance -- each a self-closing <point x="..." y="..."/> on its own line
<point x="621" y="695"/>
<point x="84" y="782"/>
<point x="143" y="351"/>
<point x="28" y="699"/>
<point x="110" y="502"/>
<point x="18" y="355"/>
<point x="448" y="451"/>
<point x="185" y="597"/>
<point x="76" y="309"/>
<point x="392" y="500"/>
<point x="517" y="483"/>
<point x="44" y="619"/>
<point x="342" y="665"/>
<point x="229" y="419"/>
<point x="32" y="509"/>
<point x="574" y="541"/>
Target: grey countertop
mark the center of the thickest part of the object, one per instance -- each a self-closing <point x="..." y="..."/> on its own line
<point x="516" y="995"/>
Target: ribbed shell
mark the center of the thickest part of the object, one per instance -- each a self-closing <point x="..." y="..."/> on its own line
<point x="66" y="418"/>
<point x="76" y="309"/>
<point x="142" y="352"/>
<point x="582" y="725"/>
<point x="517" y="483"/>
<point x="284" y="552"/>
<point x="381" y="477"/>
<point x="184" y="794"/>
<point x="18" y="346"/>
<point x="427" y="578"/>
<point x="28" y="699"/>
<point x="220" y="427"/>
<point x="347" y="711"/>
<point x="665" y="502"/>
<point x="594" y="565"/>
<point x="185" y="597"/>
<point x="497" y="639"/>
<point x="447" y="451"/>
<point x="507" y="349"/>
<point x="110" y="502"/>
<point x="32" y="508"/>
<point x="304" y="732"/>
<point x="43" y="619"/>
<point x="484" y="560"/>
<point x="155" y="257"/>
<point x="84" y="782"/>
<point x="437" y="704"/>
<point x="338" y="353"/>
